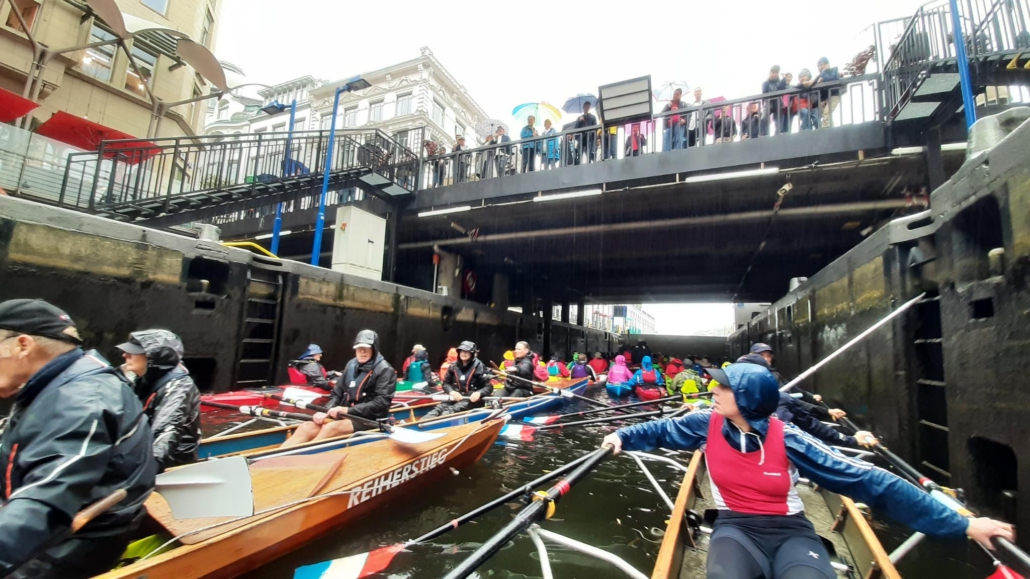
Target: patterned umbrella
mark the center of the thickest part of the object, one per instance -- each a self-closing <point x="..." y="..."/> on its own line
<point x="487" y="127"/>
<point x="542" y="112"/>
<point x="665" y="90"/>
<point x="575" y="104"/>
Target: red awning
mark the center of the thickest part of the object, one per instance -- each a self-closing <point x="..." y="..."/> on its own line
<point x="87" y="135"/>
<point x="13" y="106"/>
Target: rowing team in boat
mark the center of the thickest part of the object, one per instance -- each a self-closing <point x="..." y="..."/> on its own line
<point x="754" y="459"/>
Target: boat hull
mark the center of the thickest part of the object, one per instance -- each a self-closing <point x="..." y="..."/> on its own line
<point x="618" y="390"/>
<point x="650" y="393"/>
<point x="374" y="476"/>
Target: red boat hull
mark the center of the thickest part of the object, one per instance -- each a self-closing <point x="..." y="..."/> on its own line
<point x="650" y="393"/>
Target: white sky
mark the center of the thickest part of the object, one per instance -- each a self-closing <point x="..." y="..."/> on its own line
<point x="505" y="56"/>
<point x="689" y="319"/>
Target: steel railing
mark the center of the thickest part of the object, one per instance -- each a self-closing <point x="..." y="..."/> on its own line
<point x="848" y="101"/>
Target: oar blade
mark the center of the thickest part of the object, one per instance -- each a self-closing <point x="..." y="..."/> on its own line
<point x="300" y="395"/>
<point x="353" y="567"/>
<point x="412" y="437"/>
<point x="518" y="432"/>
<point x="214" y="488"/>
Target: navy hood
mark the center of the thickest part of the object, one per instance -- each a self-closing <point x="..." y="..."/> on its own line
<point x="757" y="393"/>
<point x="312" y="351"/>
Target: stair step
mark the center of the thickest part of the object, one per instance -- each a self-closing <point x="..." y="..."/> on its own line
<point x="928" y="382"/>
<point x="262" y="301"/>
<point x="257" y="341"/>
<point x="255" y="361"/>
<point x="259" y="321"/>
<point x="930" y="341"/>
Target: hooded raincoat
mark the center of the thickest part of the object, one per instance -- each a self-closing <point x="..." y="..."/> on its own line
<point x="647" y="376"/>
<point x="619" y="373"/>
<point x="452" y="357"/>
<point x="367" y="389"/>
<point x="420" y="370"/>
<point x="307" y="371"/>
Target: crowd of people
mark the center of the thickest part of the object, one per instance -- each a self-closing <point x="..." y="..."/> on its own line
<point x="813" y="101"/>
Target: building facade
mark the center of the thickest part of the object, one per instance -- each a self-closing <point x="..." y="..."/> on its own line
<point x="619" y="319"/>
<point x="97" y="83"/>
<point x="238" y="113"/>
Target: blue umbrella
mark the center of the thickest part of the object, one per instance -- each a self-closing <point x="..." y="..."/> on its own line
<point x="575" y="104"/>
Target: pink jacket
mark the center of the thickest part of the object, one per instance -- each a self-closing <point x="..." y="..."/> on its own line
<point x="619" y="373"/>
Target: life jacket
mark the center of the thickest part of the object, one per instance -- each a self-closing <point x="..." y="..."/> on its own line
<point x="580" y="371"/>
<point x="415" y="374"/>
<point x="649" y="376"/>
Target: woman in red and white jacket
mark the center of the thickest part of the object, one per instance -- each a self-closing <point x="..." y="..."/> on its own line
<point x="754" y="460"/>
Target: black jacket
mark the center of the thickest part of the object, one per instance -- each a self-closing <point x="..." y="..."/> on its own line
<point x="523" y="368"/>
<point x="467" y="379"/>
<point x="792" y="410"/>
<point x="367" y="388"/>
<point x="313" y="371"/>
<point x="76" y="434"/>
<point x="639" y="351"/>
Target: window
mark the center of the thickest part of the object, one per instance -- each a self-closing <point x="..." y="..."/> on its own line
<point x="300" y="124"/>
<point x="261" y="130"/>
<point x="375" y="112"/>
<point x="350" y="117"/>
<point x="326" y="121"/>
<point x="437" y="113"/>
<point x="29" y="9"/>
<point x="404" y="104"/>
<point x="97" y="61"/>
<point x="402" y="138"/>
<point x="459" y="130"/>
<point x="280" y="128"/>
<point x="223" y="111"/>
<point x="191" y="115"/>
<point x="159" y="6"/>
<point x="209" y="25"/>
<point x="146" y="61"/>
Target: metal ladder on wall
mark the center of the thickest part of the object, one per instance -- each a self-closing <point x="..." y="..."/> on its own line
<point x="931" y="397"/>
<point x="261" y="315"/>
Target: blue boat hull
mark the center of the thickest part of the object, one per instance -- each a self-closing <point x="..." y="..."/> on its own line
<point x="619" y="390"/>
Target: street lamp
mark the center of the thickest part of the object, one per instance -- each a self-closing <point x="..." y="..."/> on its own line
<point x="356" y="83"/>
<point x="271" y="109"/>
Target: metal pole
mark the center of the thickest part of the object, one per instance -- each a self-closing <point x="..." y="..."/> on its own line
<point x="287" y="162"/>
<point x="963" y="66"/>
<point x="316" y="249"/>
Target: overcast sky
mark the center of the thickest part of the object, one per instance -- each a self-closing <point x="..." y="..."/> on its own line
<point x="506" y="56"/>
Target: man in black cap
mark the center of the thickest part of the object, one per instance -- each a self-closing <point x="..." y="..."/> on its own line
<point x="365" y="390"/>
<point x="811" y="402"/>
<point x="466" y="382"/>
<point x="170" y="399"/>
<point x="77" y="434"/>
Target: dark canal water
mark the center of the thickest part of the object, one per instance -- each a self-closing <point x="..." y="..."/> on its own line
<point x="615" y="509"/>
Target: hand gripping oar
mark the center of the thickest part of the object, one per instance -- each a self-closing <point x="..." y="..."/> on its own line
<point x="404" y="436"/>
<point x="940" y="495"/>
<point x="854" y="341"/>
<point x="542" y="507"/>
<point x="560" y="391"/>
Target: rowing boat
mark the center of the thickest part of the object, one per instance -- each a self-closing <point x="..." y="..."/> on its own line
<point x="258" y="396"/>
<point x="652" y="393"/>
<point x="270" y="438"/>
<point x="618" y="390"/>
<point x="843" y="528"/>
<point x="316" y="495"/>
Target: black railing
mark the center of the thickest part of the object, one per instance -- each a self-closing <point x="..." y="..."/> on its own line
<point x="143" y="171"/>
<point x="849" y="101"/>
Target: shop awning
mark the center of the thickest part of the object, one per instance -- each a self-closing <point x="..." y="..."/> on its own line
<point x="87" y="135"/>
<point x="13" y="106"/>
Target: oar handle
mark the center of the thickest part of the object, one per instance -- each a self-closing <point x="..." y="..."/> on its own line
<point x="260" y="411"/>
<point x="297" y="403"/>
<point x="83" y="517"/>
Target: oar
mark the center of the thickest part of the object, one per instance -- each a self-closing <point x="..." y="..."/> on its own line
<point x="561" y="392"/>
<point x="259" y="411"/>
<point x="549" y="424"/>
<point x="938" y="493"/>
<point x="213" y="488"/>
<point x="542" y="507"/>
<point x="402" y="435"/>
<point x="635" y="404"/>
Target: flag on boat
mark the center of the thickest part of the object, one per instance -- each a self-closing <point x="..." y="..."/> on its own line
<point x="353" y="567"/>
<point x="540" y="420"/>
<point x="518" y="432"/>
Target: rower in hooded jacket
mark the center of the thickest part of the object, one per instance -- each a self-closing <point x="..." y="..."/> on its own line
<point x="619" y="372"/>
<point x="420" y="370"/>
<point x="170" y="398"/>
<point x="76" y="434"/>
<point x="365" y="389"/>
<point x="754" y="460"/>
<point x="308" y="369"/>
<point x="647" y="376"/>
<point x="522" y="367"/>
<point x="581" y="369"/>
<point x="467" y="382"/>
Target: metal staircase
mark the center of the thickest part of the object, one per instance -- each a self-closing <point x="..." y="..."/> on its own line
<point x="173" y="181"/>
<point x="921" y="80"/>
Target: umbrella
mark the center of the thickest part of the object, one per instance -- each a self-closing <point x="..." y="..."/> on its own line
<point x="575" y="104"/>
<point x="487" y="127"/>
<point x="542" y="112"/>
<point x="665" y="90"/>
<point x="87" y="135"/>
<point x="13" y="106"/>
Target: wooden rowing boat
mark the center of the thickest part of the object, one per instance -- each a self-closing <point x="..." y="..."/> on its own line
<point x="843" y="527"/>
<point x="360" y="478"/>
<point x="271" y="438"/>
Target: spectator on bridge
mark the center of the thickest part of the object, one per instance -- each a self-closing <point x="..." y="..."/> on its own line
<point x="611" y="142"/>
<point x="752" y="124"/>
<point x="695" y="125"/>
<point x="676" y="125"/>
<point x="530" y="148"/>
<point x="774" y="108"/>
<point x="789" y="115"/>
<point x="495" y="159"/>
<point x="635" y="142"/>
<point x="587" y="143"/>
<point x="552" y="147"/>
<point x="829" y="99"/>
<point x="461" y="162"/>
<point x="724" y="126"/>
<point x="802" y="103"/>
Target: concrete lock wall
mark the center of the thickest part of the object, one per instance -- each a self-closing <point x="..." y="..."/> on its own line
<point x="114" y="278"/>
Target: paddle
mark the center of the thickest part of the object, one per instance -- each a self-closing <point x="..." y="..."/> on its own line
<point x="259" y="411"/>
<point x="212" y="488"/>
<point x="549" y="424"/>
<point x="561" y="392"/>
<point x="941" y="495"/>
<point x="542" y="507"/>
<point x="635" y="404"/>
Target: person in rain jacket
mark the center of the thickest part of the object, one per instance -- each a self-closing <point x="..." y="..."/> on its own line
<point x="647" y="376"/>
<point x="557" y="369"/>
<point x="754" y="460"/>
<point x="553" y="156"/>
<point x="619" y="372"/>
<point x="76" y="434"/>
<point x="580" y="369"/>
<point x="452" y="357"/>
<point x="674" y="368"/>
<point x="467" y="382"/>
<point x="420" y="370"/>
<point x="599" y="365"/>
<point x="170" y="399"/>
<point x="411" y="358"/>
<point x="521" y="367"/>
<point x="686" y="382"/>
<point x="365" y="389"/>
<point x="309" y="367"/>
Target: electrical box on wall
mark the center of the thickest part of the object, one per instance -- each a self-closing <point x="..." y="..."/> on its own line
<point x="359" y="243"/>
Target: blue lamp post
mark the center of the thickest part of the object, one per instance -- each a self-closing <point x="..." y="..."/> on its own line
<point x="968" y="104"/>
<point x="356" y="83"/>
<point x="273" y="108"/>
